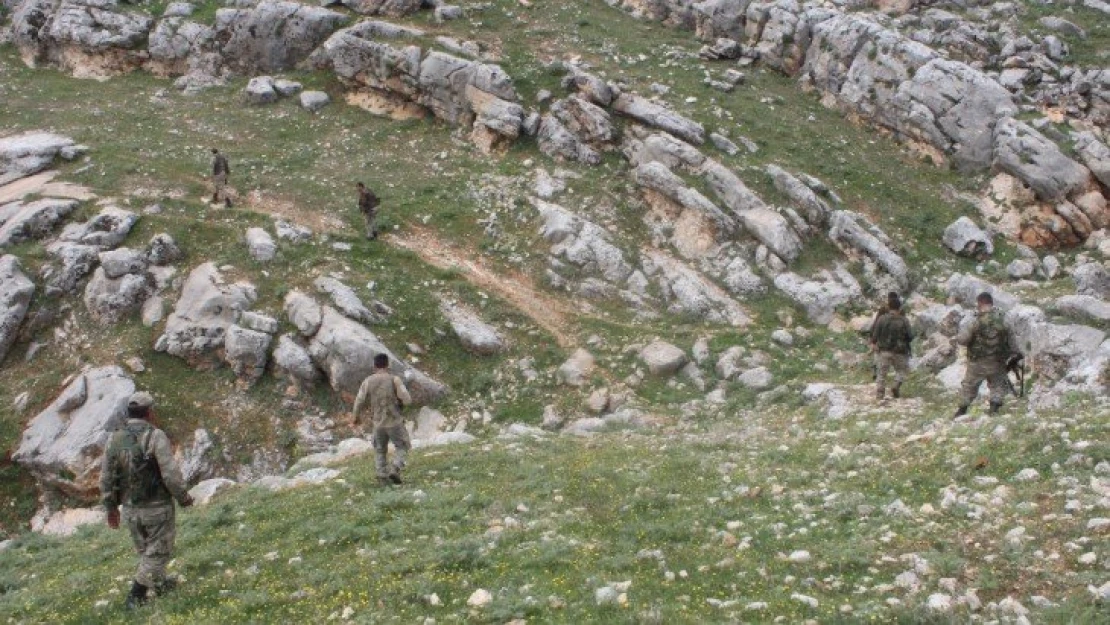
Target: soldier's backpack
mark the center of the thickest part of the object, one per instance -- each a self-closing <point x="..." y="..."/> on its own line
<point x="991" y="338"/>
<point x="144" y="476"/>
<point x="368" y="203"/>
<point x="890" y="334"/>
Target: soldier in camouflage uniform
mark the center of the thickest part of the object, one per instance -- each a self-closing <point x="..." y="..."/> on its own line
<point x="368" y="203"/>
<point x="139" y="472"/>
<point x="220" y="173"/>
<point x="890" y="340"/>
<point x="385" y="394"/>
<point x="989" y="346"/>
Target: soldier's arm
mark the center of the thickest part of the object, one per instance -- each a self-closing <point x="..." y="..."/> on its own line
<point x="360" y="401"/>
<point x="109" y="479"/>
<point x="171" y="473"/>
<point x="963" y="337"/>
<point x="401" y="391"/>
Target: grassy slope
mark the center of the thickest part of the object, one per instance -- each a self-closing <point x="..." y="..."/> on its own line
<point x="580" y="513"/>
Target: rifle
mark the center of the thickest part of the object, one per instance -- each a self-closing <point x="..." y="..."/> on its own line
<point x="1016" y="365"/>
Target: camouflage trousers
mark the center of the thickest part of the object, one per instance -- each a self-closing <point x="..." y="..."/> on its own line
<point x="399" y="436"/>
<point x="219" y="187"/>
<point x="153" y="531"/>
<point x="371" y="224"/>
<point x="989" y="370"/>
<point x="885" y="361"/>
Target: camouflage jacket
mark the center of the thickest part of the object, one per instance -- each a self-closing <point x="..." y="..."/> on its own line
<point x="987" y="337"/>
<point x="385" y="395"/>
<point x="125" y="479"/>
<point x="891" y="333"/>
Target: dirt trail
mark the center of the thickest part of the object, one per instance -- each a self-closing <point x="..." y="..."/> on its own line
<point x="513" y="286"/>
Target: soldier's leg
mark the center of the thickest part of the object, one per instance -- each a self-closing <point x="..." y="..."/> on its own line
<point x="380" y="441"/>
<point x="401" y="446"/>
<point x="973" y="379"/>
<point x="901" y="364"/>
<point x="372" y="225"/>
<point x="131" y="517"/>
<point x="159" y="526"/>
<point x="881" y="365"/>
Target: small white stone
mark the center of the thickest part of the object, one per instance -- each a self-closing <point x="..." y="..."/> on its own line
<point x="479" y="598"/>
<point x="1088" y="558"/>
<point x="799" y="556"/>
<point x="939" y="602"/>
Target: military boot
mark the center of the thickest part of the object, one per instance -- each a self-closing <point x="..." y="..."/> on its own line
<point x="961" y="411"/>
<point x="896" y="391"/>
<point x="995" y="407"/>
<point x="227" y="202"/>
<point x="395" y="477"/>
<point x="215" y="198"/>
<point x="137" y="597"/>
<point x="167" y="585"/>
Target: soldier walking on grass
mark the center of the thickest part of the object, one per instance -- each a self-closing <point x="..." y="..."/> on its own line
<point x="139" y="472"/>
<point x="368" y="204"/>
<point x="385" y="395"/>
<point x="890" y="340"/>
<point x="220" y="172"/>
<point x="990" y="347"/>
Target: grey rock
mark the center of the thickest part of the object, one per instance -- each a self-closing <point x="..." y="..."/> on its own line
<point x="21" y="221"/>
<point x="758" y="378"/>
<point x="591" y="87"/>
<point x="204" y="492"/>
<point x="387" y="8"/>
<point x="303" y="312"/>
<point x="723" y="144"/>
<point x="728" y="363"/>
<point x="558" y="142"/>
<point x="659" y="116"/>
<point x="1092" y="279"/>
<point x="196" y="459"/>
<point x="43" y="29"/>
<point x="16" y="290"/>
<point x="122" y="261"/>
<point x="576" y="370"/>
<point x="163" y="250"/>
<point x="662" y="358"/>
<point x="345" y="299"/>
<point x="62" y="445"/>
<point x="688" y="292"/>
<point x="1062" y="25"/>
<point x="344" y="350"/>
<point x="246" y="351"/>
<point x="1093" y="308"/>
<point x="657" y="177"/>
<point x="552" y="420"/>
<point x="285" y="87"/>
<point x="965" y="288"/>
<point x="1095" y="155"/>
<point x="723" y="49"/>
<point x="822" y="295"/>
<point x="1058" y="350"/>
<point x="1055" y="48"/>
<point x="448" y="13"/>
<point x="178" y="9"/>
<point x="292" y="361"/>
<point x="106" y="230"/>
<point x="967" y="239"/>
<point x="153" y="311"/>
<point x="815" y="209"/>
<point x="273" y="36"/>
<point x="260" y="90"/>
<point x="664" y="148"/>
<point x="1020" y="269"/>
<point x="782" y="337"/>
<point x="291" y="232"/>
<point x="1024" y="153"/>
<point x="476" y="336"/>
<point x="854" y="230"/>
<point x="109" y="300"/>
<point x="77" y="262"/>
<point x="773" y="230"/>
<point x="1051" y="266"/>
<point x="314" y="101"/>
<point x="206" y="308"/>
<point x="258" y="322"/>
<point x="29" y="153"/>
<point x="588" y="122"/>
<point x="261" y="245"/>
<point x="178" y="46"/>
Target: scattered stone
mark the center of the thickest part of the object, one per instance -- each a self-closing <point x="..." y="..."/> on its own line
<point x="313" y="101"/>
<point x="204" y="492"/>
<point x="577" y="369"/>
<point x="476" y="336"/>
<point x="479" y="598"/>
<point x="260" y="90"/>
<point x="261" y="245"/>
<point x="16" y="290"/>
<point x="1019" y="269"/>
<point x="163" y="250"/>
<point x="967" y="239"/>
<point x="662" y="358"/>
<point x="758" y="378"/>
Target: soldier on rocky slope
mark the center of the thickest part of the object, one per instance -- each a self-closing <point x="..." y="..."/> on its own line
<point x="990" y="346"/>
<point x="368" y="203"/>
<point x="220" y="172"/>
<point x="385" y="394"/>
<point x="890" y="338"/>
<point x="139" y="472"/>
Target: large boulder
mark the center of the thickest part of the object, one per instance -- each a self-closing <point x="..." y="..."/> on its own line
<point x="1026" y="154"/>
<point x="387" y="8"/>
<point x="77" y="261"/>
<point x="91" y="38"/>
<point x="855" y="231"/>
<point x="63" y="444"/>
<point x="109" y="300"/>
<point x="967" y="239"/>
<point x="293" y="362"/>
<point x="577" y="369"/>
<point x="16" y="290"/>
<point x="273" y="35"/>
<point x="204" y="311"/>
<point x="345" y="299"/>
<point x="31" y="152"/>
<point x="963" y="289"/>
<point x="1092" y="279"/>
<point x="770" y="228"/>
<point x="587" y="121"/>
<point x="344" y="350"/>
<point x="558" y="142"/>
<point x="261" y="245"/>
<point x="1093" y="308"/>
<point x="21" y="221"/>
<point x="476" y="336"/>
<point x="105" y="230"/>
<point x="658" y="116"/>
<point x="656" y="177"/>
<point x="1095" y="155"/>
<point x="662" y="358"/>
<point x="689" y="293"/>
<point x="821" y="295"/>
<point x="246" y="351"/>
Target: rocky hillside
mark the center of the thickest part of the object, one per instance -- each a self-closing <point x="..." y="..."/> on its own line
<point x="610" y="229"/>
